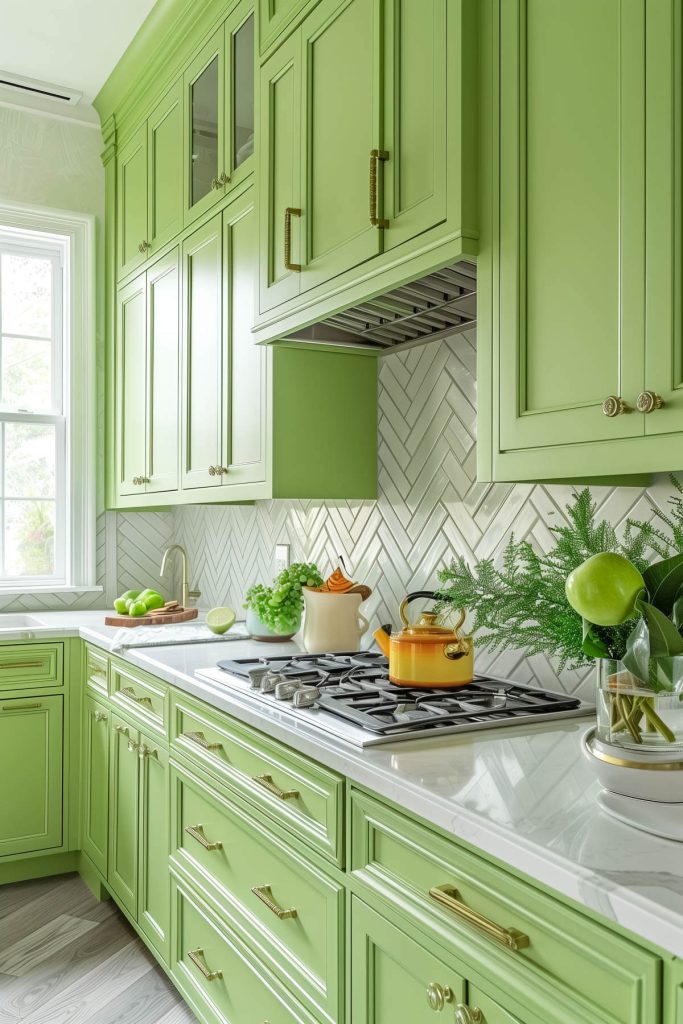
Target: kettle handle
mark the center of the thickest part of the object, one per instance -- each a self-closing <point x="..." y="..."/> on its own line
<point x="428" y="594"/>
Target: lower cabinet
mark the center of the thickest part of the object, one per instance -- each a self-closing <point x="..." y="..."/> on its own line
<point x="31" y="752"/>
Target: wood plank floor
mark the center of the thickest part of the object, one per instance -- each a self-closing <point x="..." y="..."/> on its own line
<point x="67" y="959"/>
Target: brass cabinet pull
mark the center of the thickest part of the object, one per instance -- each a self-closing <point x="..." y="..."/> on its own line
<point x="449" y="897"/>
<point x="264" y="893"/>
<point x="197" y="832"/>
<point x="145" y="751"/>
<point x="196" y="956"/>
<point x="212" y="470"/>
<point x="290" y="212"/>
<point x="132" y="695"/>
<point x="614" y="405"/>
<point x="21" y="707"/>
<point x="13" y="666"/>
<point x="200" y="739"/>
<point x="649" y="401"/>
<point x="438" y="995"/>
<point x="375" y="156"/>
<point x="122" y="729"/>
<point x="132" y="746"/>
<point x="144" y="246"/>
<point x="222" y="470"/>
<point x="267" y="782"/>
<point x="466" y="1015"/>
<point x="223" y="179"/>
<point x="100" y="716"/>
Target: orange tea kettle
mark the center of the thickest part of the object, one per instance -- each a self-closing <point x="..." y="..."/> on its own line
<point x="425" y="654"/>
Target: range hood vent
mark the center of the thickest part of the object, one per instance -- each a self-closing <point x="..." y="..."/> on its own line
<point x="435" y="306"/>
<point x="32" y="87"/>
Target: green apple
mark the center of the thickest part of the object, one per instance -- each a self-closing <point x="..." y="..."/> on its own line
<point x="129" y="595"/>
<point x="120" y="606"/>
<point x="604" y="588"/>
<point x="153" y="600"/>
<point x="137" y="608"/>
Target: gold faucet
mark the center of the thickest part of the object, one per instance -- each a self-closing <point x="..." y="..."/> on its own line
<point x="186" y="593"/>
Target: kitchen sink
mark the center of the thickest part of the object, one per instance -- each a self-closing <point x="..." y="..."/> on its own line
<point x="18" y="620"/>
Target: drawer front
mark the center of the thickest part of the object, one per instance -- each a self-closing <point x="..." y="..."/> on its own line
<point x="485" y="1010"/>
<point x="144" y="699"/>
<point x="302" y="796"/>
<point x="395" y="979"/>
<point x="291" y="912"/>
<point x="217" y="974"/>
<point x="96" y="671"/>
<point x="25" y="666"/>
<point x="565" y="966"/>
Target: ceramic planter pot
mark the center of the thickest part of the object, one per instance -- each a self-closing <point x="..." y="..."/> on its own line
<point x="258" y="630"/>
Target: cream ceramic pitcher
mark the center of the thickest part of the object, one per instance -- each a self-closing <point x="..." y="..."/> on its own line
<point x="332" y="622"/>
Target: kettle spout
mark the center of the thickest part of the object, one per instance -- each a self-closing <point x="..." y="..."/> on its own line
<point x="382" y="635"/>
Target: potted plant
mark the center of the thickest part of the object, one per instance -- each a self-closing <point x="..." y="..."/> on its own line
<point x="274" y="612"/>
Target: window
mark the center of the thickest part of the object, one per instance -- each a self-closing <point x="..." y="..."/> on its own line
<point x="46" y="474"/>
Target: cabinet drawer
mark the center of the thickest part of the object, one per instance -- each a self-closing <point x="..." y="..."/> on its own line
<point x="291" y="912"/>
<point x="96" y="671"/>
<point x="217" y="974"/>
<point x="24" y="666"/>
<point x="144" y="699"/>
<point x="299" y="794"/>
<point x="565" y="966"/>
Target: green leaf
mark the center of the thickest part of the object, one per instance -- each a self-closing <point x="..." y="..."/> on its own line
<point x="677" y="610"/>
<point x="593" y="645"/>
<point x="664" y="581"/>
<point x="665" y="640"/>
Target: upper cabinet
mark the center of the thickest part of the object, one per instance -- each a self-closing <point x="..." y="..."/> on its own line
<point x="581" y="241"/>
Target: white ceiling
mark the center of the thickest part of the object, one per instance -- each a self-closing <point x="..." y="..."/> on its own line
<point x="70" y="43"/>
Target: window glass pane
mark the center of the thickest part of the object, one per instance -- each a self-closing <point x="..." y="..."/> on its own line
<point x="29" y="538"/>
<point x="243" y="92"/>
<point x="26" y="374"/>
<point x="29" y="460"/>
<point x="26" y="299"/>
<point x="205" y="131"/>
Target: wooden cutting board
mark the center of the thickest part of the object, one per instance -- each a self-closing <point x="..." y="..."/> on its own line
<point x="153" y="619"/>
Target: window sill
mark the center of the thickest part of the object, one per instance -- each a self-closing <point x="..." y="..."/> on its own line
<point x="47" y="591"/>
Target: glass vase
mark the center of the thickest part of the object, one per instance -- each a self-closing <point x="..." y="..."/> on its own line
<point x="637" y="715"/>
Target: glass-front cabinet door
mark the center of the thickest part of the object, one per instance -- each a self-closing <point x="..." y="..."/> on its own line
<point x="239" y="84"/>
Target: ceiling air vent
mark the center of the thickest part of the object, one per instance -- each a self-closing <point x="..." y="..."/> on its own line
<point x="32" y="87"/>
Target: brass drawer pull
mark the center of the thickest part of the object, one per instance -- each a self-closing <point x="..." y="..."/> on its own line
<point x="145" y="751"/>
<point x="132" y="695"/>
<point x="196" y="956"/>
<point x="290" y="212"/>
<point x="649" y="401"/>
<point x="438" y="995"/>
<point x="449" y="897"/>
<point x="197" y="832"/>
<point x="267" y="782"/>
<point x="614" y="405"/>
<point x="21" y="707"/>
<point x="122" y="729"/>
<point x="14" y="665"/>
<point x="100" y="716"/>
<point x="133" y="745"/>
<point x="201" y="741"/>
<point x="264" y="893"/>
<point x="465" y="1015"/>
<point x="375" y="156"/>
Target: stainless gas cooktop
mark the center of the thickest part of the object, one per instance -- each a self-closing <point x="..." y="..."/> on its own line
<point x="349" y="696"/>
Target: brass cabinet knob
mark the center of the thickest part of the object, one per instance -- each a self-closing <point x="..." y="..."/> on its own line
<point x="100" y="716"/>
<point x="614" y="405"/>
<point x="438" y="995"/>
<point x="222" y="470"/>
<point x="224" y="179"/>
<point x="212" y="471"/>
<point x="648" y="401"/>
<point x="139" y="481"/>
<point x="144" y="246"/>
<point x="465" y="1015"/>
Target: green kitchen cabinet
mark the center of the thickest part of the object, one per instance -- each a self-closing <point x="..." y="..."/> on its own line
<point x="486" y="1010"/>
<point x="122" y="874"/>
<point x="219" y="113"/>
<point x="165" y="169"/>
<point x="131" y="203"/>
<point x="275" y="16"/>
<point x="31" y="751"/>
<point x="153" y="909"/>
<point x="130" y="387"/>
<point x="95" y="788"/>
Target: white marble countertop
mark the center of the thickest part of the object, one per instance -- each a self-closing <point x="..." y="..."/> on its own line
<point x="524" y="795"/>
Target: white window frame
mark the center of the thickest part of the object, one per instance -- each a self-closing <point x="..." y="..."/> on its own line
<point x="75" y="235"/>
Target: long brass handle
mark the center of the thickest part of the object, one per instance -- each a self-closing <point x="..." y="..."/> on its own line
<point x="14" y="665"/>
<point x="649" y="401"/>
<point x="130" y="692"/>
<point x="200" y="739"/>
<point x="100" y="716"/>
<point x="197" y="832"/>
<point x="21" y="707"/>
<point x="375" y="156"/>
<point x="194" y="955"/>
<point x="449" y="897"/>
<point x="290" y="212"/>
<point x="267" y="782"/>
<point x="264" y="893"/>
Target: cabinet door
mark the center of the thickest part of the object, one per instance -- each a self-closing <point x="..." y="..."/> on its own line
<point x="165" y="168"/>
<point x="572" y="218"/>
<point x="415" y="123"/>
<point x="95" y="809"/>
<point x="153" y="877"/>
<point x="204" y="128"/>
<point x="123" y="813"/>
<point x="240" y="64"/>
<point x="163" y="374"/>
<point x="244" y="437"/>
<point x="280" y="190"/>
<point x="485" y="1010"/>
<point x="131" y="202"/>
<point x="395" y="979"/>
<point x="341" y="50"/>
<point x="202" y="363"/>
<point x="31" y="753"/>
<point x="131" y="376"/>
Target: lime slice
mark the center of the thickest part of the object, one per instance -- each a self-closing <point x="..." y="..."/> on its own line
<point x="219" y="620"/>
